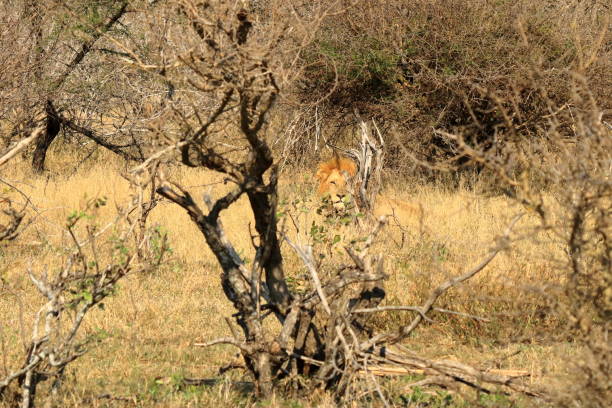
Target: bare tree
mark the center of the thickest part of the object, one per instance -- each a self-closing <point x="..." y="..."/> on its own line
<point x="228" y="67"/>
<point x="224" y="66"/>
<point x="566" y="184"/>
<point x="97" y="257"/>
<point x="47" y="45"/>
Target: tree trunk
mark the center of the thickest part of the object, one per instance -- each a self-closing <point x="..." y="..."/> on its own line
<point x="263" y="374"/>
<point x="44" y="141"/>
<point x="265" y="225"/>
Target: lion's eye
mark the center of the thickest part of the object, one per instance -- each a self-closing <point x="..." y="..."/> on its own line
<point x="332" y="182"/>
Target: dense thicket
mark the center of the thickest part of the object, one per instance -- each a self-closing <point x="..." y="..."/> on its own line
<point x="447" y="64"/>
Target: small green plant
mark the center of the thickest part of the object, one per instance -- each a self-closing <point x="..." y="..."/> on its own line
<point x="159" y="243"/>
<point x="89" y="270"/>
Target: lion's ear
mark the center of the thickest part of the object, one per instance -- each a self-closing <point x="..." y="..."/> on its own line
<point x="320" y="175"/>
<point x="349" y="166"/>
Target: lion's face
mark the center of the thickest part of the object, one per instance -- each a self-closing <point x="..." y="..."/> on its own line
<point x="332" y="183"/>
<point x="332" y="176"/>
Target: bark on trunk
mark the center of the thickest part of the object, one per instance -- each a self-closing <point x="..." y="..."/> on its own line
<point x="265" y="225"/>
<point x="44" y="141"/>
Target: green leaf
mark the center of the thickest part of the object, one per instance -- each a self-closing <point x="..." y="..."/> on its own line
<point x="87" y="296"/>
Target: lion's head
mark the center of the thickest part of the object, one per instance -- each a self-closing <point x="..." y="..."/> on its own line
<point x="332" y="176"/>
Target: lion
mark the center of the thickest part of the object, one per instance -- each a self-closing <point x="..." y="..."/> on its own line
<point x="333" y="176"/>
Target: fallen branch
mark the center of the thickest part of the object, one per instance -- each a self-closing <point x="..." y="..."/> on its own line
<point x="465" y="374"/>
<point x="226" y="340"/>
<point x="22" y="144"/>
<point x="392" y="370"/>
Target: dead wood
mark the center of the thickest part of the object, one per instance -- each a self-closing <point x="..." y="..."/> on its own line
<point x="93" y="266"/>
<point x="324" y="333"/>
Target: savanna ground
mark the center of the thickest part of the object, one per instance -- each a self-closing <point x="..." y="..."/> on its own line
<point x="146" y="333"/>
<point x="488" y="109"/>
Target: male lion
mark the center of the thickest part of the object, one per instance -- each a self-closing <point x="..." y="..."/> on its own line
<point x="333" y="176"/>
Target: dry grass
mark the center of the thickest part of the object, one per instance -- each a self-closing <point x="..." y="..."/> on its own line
<point x="148" y="328"/>
<point x="449" y="65"/>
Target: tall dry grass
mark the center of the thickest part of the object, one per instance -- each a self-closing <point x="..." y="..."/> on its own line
<point x="148" y="328"/>
<point x="412" y="65"/>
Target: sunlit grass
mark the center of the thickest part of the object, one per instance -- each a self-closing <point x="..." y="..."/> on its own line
<point x="147" y="329"/>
